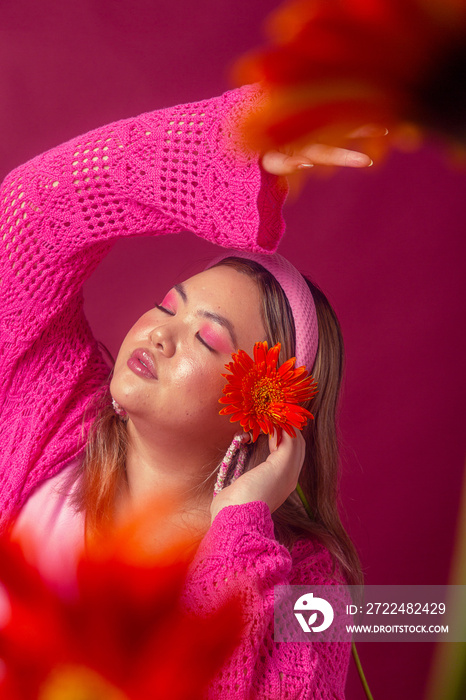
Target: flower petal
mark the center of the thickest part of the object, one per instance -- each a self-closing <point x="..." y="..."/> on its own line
<point x="264" y="397"/>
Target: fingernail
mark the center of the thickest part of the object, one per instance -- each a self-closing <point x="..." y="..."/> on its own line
<point x="371" y="163"/>
<point x="302" y="166"/>
<point x="357" y="159"/>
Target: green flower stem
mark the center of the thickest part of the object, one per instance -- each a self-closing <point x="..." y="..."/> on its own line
<point x="304" y="501"/>
<point x="361" y="672"/>
<point x="353" y="645"/>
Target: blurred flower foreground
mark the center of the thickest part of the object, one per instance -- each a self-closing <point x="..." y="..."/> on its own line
<point x="334" y="65"/>
<point x="119" y="632"/>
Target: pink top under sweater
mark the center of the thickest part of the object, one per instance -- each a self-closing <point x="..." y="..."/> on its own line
<point x="238" y="554"/>
<point x="162" y="172"/>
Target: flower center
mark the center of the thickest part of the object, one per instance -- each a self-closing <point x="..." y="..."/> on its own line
<point x="266" y="392"/>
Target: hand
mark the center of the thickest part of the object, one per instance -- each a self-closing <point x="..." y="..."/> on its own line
<point x="271" y="481"/>
<point x="290" y="161"/>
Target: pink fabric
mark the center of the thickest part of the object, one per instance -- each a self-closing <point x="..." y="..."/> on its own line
<point x="299" y="297"/>
<point x="53" y="530"/>
<point x="238" y="554"/>
<point x="165" y="171"/>
<point x="241" y="554"/>
<point x="60" y="213"/>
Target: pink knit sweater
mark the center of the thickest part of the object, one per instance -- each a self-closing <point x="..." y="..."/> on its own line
<point x="162" y="172"/>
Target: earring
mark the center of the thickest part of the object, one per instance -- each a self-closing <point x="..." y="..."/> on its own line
<point x="240" y="462"/>
<point x="238" y="445"/>
<point x="120" y="411"/>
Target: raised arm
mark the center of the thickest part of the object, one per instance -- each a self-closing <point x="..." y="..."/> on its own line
<point x="169" y="170"/>
<point x="162" y="172"/>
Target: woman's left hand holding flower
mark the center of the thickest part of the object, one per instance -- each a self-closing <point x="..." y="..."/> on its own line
<point x="271" y="481"/>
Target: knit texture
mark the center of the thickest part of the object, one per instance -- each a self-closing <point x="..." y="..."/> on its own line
<point x="239" y="555"/>
<point x="162" y="172"/>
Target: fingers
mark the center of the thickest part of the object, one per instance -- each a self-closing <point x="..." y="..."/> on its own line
<point x="317" y="154"/>
<point x="271" y="481"/>
<point x="368" y="131"/>
<point x="287" y="161"/>
<point x="289" y="449"/>
<point x="279" y="163"/>
<point x="275" y="440"/>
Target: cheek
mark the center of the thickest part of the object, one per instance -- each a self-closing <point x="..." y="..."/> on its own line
<point x="201" y="382"/>
<point x="185" y="374"/>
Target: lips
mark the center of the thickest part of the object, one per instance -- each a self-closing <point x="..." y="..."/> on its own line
<point x="142" y="362"/>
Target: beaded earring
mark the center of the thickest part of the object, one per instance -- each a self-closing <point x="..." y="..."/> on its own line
<point x="120" y="411"/>
<point x="237" y="449"/>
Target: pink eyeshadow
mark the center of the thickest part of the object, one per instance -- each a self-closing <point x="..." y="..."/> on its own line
<point x="170" y="301"/>
<point x="217" y="340"/>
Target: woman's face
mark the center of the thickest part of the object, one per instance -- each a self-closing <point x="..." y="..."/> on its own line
<point x="168" y="371"/>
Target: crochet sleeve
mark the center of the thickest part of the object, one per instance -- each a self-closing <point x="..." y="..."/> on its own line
<point x="162" y="172"/>
<point x="240" y="555"/>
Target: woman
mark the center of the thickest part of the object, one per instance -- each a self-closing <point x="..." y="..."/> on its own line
<point x="163" y="172"/>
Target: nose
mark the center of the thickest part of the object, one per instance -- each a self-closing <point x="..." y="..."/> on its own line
<point x="163" y="340"/>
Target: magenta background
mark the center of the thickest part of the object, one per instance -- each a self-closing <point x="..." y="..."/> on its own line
<point x="385" y="245"/>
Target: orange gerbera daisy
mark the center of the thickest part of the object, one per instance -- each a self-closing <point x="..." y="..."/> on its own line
<point x="264" y="397"/>
<point x="125" y="634"/>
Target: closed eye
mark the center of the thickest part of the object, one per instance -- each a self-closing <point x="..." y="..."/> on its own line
<point x="198" y="336"/>
<point x="166" y="311"/>
<point x="201" y="340"/>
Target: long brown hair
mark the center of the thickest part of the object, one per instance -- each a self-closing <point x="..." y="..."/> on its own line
<point x="319" y="477"/>
<point x="104" y="461"/>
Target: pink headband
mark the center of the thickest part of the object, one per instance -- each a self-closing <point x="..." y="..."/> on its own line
<point x="299" y="298"/>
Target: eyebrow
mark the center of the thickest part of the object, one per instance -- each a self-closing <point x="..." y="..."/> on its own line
<point x="181" y="291"/>
<point x="217" y="318"/>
